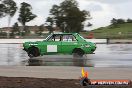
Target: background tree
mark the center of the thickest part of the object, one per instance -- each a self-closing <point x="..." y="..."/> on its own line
<point x="49" y="23"/>
<point x="129" y="20"/>
<point x="68" y="17"/>
<point x="41" y="29"/>
<point x="2" y="9"/>
<point x="114" y="21"/>
<point x="25" y="14"/>
<point x="11" y="9"/>
<point x="2" y="14"/>
<point x="15" y="29"/>
<point x="120" y="21"/>
<point x="117" y="21"/>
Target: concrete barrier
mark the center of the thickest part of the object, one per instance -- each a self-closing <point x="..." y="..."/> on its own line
<point x="104" y="41"/>
<point x="15" y="41"/>
<point x="113" y="41"/>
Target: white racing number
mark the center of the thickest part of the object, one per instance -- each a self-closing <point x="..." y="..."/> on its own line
<point x="51" y="48"/>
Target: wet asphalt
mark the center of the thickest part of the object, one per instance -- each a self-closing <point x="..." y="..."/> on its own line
<point x="106" y="55"/>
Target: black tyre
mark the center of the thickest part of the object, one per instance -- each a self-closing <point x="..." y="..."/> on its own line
<point x="78" y="52"/>
<point x="33" y="52"/>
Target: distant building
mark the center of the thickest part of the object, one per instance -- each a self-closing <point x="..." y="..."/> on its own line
<point x="6" y="29"/>
<point x="32" y="29"/>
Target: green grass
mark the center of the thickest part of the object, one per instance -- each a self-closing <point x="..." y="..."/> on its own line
<point x="120" y="31"/>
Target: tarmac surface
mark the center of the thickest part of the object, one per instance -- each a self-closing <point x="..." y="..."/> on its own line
<point x="65" y="72"/>
<point x="106" y="55"/>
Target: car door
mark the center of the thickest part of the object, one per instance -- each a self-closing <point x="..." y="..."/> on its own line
<point x="69" y="43"/>
<point x="53" y="44"/>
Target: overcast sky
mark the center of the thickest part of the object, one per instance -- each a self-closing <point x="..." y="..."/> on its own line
<point x="102" y="11"/>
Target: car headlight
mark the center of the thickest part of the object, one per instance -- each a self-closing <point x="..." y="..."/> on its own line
<point x="87" y="46"/>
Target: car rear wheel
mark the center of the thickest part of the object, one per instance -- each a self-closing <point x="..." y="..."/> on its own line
<point x="78" y="53"/>
<point x="33" y="52"/>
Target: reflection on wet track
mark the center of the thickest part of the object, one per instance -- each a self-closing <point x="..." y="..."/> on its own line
<point x="111" y="55"/>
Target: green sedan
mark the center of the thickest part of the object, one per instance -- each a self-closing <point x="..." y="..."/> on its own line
<point x="64" y="43"/>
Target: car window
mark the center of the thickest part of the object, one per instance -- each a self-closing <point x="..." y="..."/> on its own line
<point x="55" y="38"/>
<point x="69" y="38"/>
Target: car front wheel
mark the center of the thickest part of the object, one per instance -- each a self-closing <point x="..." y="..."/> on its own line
<point x="33" y="52"/>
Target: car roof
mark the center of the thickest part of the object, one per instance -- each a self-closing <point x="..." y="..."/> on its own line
<point x="63" y="33"/>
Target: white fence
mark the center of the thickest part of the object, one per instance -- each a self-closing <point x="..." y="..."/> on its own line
<point x="33" y="40"/>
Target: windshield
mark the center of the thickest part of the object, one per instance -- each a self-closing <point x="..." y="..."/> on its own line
<point x="81" y="37"/>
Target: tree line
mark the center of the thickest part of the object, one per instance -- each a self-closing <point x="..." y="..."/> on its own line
<point x="115" y="21"/>
<point x="9" y="8"/>
<point x="66" y="16"/>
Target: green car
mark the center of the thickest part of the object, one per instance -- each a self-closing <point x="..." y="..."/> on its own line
<point x="63" y="43"/>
